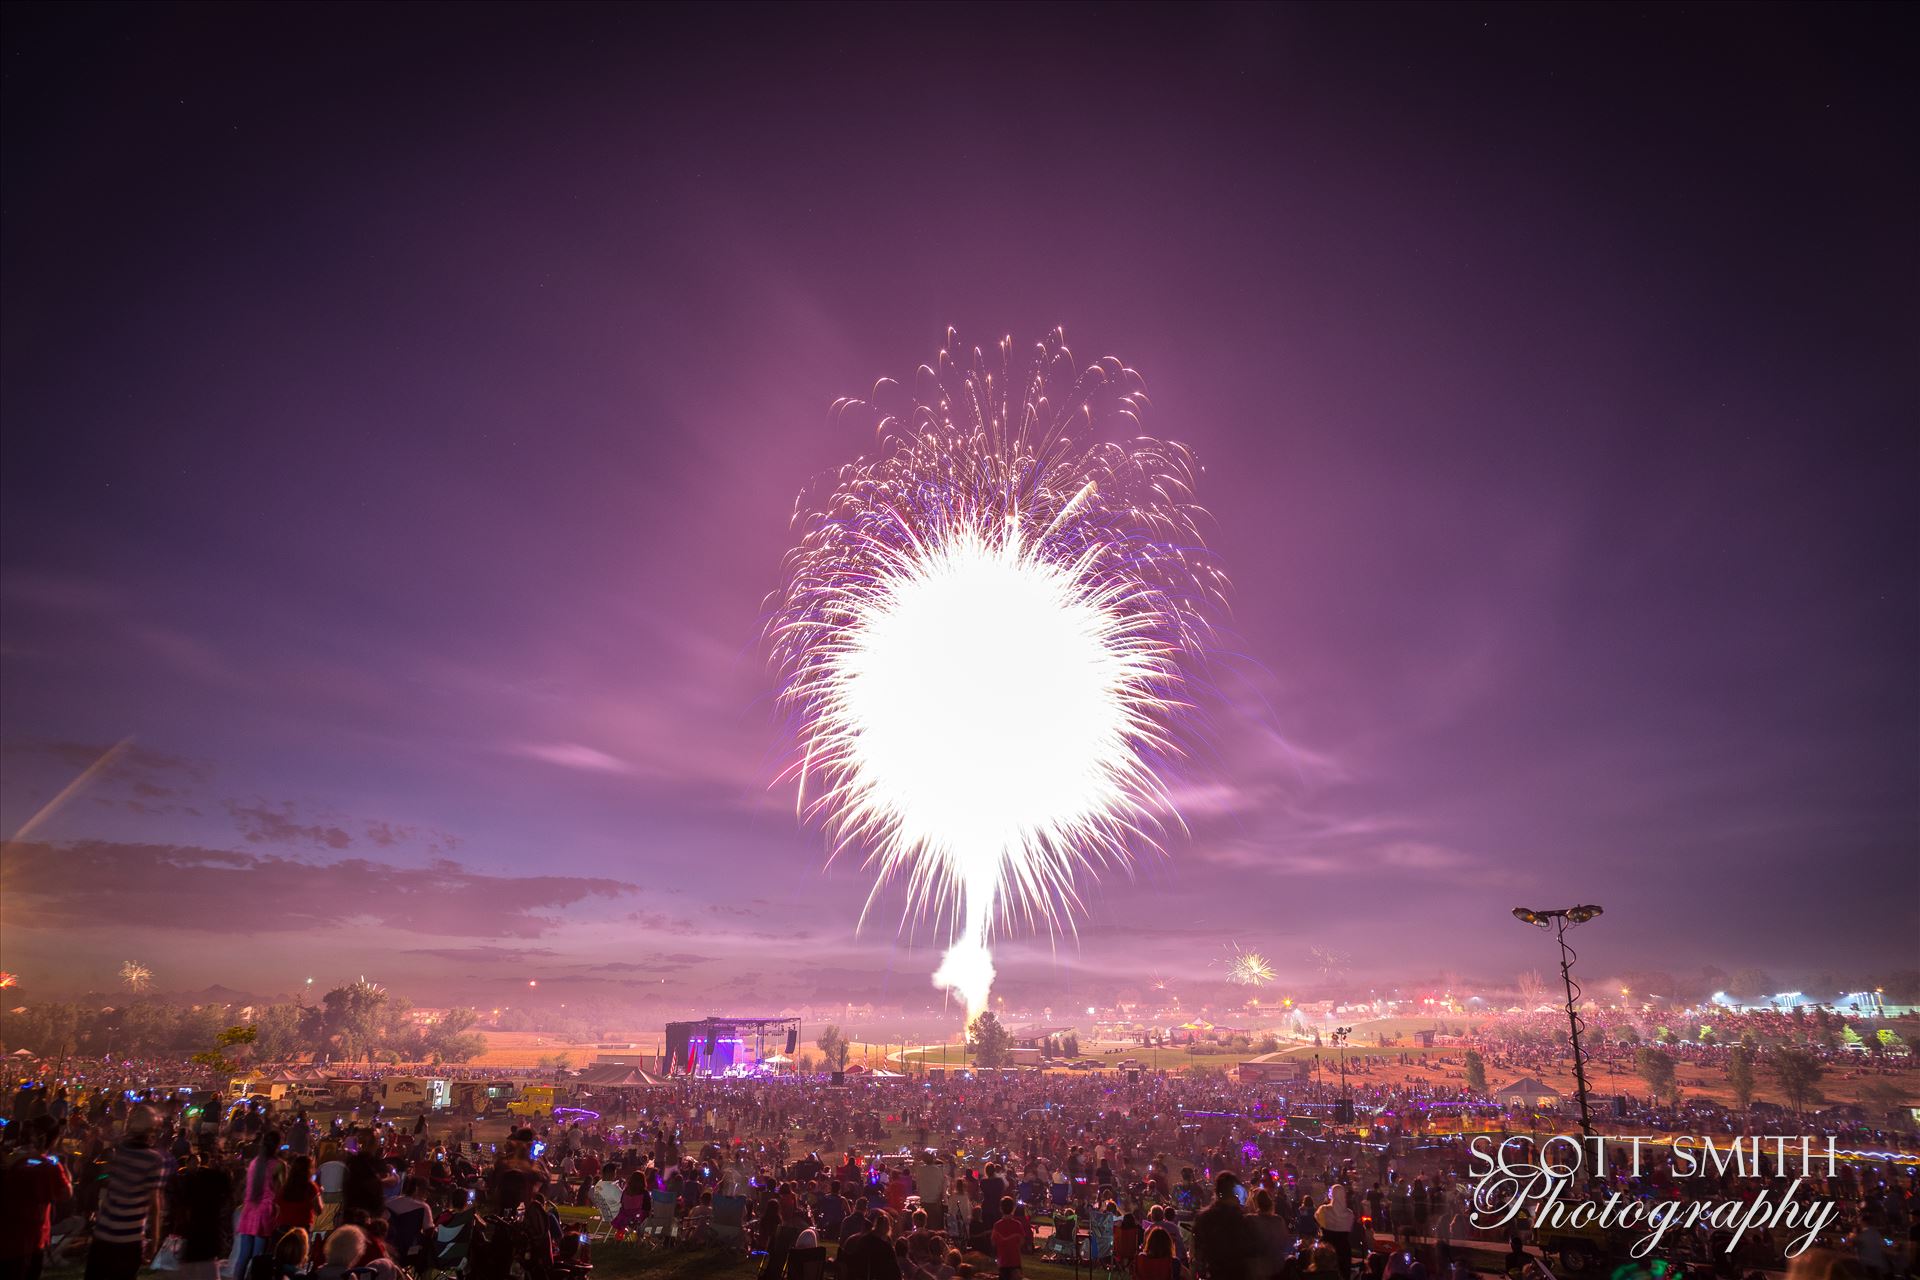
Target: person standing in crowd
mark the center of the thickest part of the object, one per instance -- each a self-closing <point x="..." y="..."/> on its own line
<point x="1272" y="1238"/>
<point x="1335" y="1220"/>
<point x="126" y="1228"/>
<point x="298" y="1202"/>
<point x="931" y="1180"/>
<point x="261" y="1186"/>
<point x="201" y="1214"/>
<point x="1223" y="1243"/>
<point x="1011" y="1234"/>
<point x="32" y="1182"/>
<point x="868" y="1254"/>
<point x="993" y="1189"/>
<point x="363" y="1189"/>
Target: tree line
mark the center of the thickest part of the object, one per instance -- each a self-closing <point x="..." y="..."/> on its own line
<point x="359" y="1022"/>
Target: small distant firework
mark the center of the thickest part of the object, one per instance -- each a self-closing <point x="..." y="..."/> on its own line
<point x="1158" y="982"/>
<point x="136" y="976"/>
<point x="8" y="980"/>
<point x="1329" y="962"/>
<point x="987" y="635"/>
<point x="1248" y="968"/>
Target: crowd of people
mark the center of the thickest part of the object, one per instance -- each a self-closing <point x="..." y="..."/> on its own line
<point x="1159" y="1176"/>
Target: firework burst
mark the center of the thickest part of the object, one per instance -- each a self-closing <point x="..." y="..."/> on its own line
<point x="1248" y="968"/>
<point x="986" y="639"/>
<point x="136" y="976"/>
<point x="1329" y="962"/>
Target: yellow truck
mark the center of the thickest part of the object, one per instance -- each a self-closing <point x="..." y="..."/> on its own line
<point x="535" y="1100"/>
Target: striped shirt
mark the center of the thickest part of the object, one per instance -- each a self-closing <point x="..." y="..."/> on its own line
<point x="133" y="1176"/>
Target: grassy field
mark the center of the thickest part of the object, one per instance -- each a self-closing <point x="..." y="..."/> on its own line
<point x="1393" y="1065"/>
<point x="524" y="1049"/>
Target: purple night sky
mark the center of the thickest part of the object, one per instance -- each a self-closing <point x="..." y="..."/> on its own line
<point x="403" y="409"/>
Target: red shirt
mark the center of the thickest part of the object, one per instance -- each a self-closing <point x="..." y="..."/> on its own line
<point x="1010" y="1236"/>
<point x="29" y="1188"/>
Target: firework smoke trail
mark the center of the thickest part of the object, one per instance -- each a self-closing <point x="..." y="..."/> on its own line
<point x="987" y="639"/>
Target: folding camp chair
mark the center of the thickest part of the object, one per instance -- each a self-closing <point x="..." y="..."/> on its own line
<point x="807" y="1264"/>
<point x="605" y="1198"/>
<point x="1064" y="1244"/>
<point x="730" y="1221"/>
<point x="660" y="1225"/>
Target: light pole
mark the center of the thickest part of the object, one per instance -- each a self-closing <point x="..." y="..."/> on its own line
<point x="1560" y="920"/>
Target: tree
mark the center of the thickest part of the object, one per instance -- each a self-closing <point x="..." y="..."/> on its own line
<point x="1850" y="1038"/>
<point x="452" y="1039"/>
<point x="228" y="1047"/>
<point x="50" y="1030"/>
<point x="1070" y="1044"/>
<point x="146" y="1029"/>
<point x="1740" y="1077"/>
<point x="1476" y="1072"/>
<point x="1656" y="1068"/>
<point x="1269" y="1043"/>
<point x="354" y="1019"/>
<point x="991" y="1042"/>
<point x="283" y="1032"/>
<point x="834" y="1047"/>
<point x="1749" y="983"/>
<point x="1798" y="1072"/>
<point x="396" y="1033"/>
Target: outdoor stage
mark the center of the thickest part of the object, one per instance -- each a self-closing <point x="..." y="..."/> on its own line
<point x="730" y="1046"/>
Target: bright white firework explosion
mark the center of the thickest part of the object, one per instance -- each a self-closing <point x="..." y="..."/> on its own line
<point x="1248" y="968"/>
<point x="987" y="638"/>
<point x="136" y="975"/>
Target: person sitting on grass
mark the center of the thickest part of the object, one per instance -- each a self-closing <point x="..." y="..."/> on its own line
<point x="636" y="1204"/>
<point x="697" y="1228"/>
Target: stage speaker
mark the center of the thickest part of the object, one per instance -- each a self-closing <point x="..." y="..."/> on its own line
<point x="1133" y="1075"/>
<point x="1619" y="1107"/>
<point x="713" y="1041"/>
<point x="793" y="1040"/>
<point x="839" y="1077"/>
<point x="1343" y="1111"/>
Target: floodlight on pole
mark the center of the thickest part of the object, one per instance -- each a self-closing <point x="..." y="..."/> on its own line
<point x="1560" y="919"/>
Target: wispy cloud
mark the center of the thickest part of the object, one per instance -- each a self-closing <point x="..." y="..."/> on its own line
<point x="572" y="755"/>
<point x="92" y="883"/>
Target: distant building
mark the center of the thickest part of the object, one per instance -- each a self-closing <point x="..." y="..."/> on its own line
<point x="1528" y="1094"/>
<point x="1272" y="1067"/>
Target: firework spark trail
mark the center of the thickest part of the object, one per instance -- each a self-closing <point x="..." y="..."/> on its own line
<point x="987" y="638"/>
